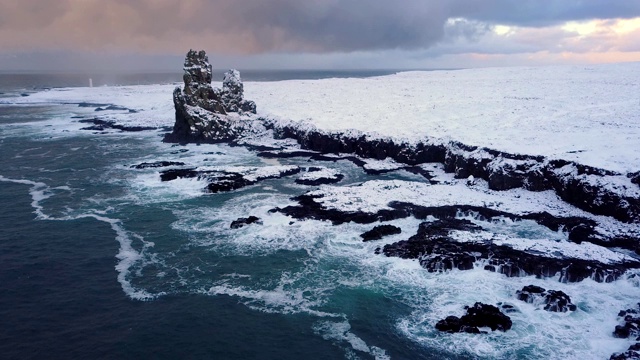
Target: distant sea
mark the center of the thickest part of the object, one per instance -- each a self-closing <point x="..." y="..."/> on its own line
<point x="37" y="81"/>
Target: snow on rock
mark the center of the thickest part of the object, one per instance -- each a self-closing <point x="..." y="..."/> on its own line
<point x="587" y="114"/>
<point x="570" y="129"/>
<point x="200" y="109"/>
<point x="381" y="165"/>
<point x="228" y="178"/>
<point x="502" y="171"/>
<point x="233" y="93"/>
<point x="318" y="175"/>
<point x="378" y="196"/>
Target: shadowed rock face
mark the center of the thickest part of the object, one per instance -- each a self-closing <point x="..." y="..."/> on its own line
<point x="201" y="108"/>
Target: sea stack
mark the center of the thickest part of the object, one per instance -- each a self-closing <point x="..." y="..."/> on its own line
<point x="201" y="110"/>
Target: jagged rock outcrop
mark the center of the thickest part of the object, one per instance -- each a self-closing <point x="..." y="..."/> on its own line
<point x="631" y="325"/>
<point x="232" y="94"/>
<point x="632" y="354"/>
<point x="201" y="108"/>
<point x="553" y="300"/>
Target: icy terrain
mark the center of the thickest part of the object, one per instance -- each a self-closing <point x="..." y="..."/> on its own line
<point x="590" y="115"/>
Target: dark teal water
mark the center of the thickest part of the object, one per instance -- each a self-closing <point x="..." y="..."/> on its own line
<point x="61" y="296"/>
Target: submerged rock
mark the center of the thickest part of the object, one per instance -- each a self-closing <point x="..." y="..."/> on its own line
<point x="101" y="125"/>
<point x="231" y="178"/>
<point x="635" y="177"/>
<point x="201" y="109"/>
<point x="157" y="164"/>
<point x="553" y="300"/>
<point x="379" y="232"/>
<point x="478" y="316"/>
<point x="240" y="222"/>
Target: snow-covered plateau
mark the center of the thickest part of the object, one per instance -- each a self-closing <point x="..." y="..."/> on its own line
<point x="587" y="114"/>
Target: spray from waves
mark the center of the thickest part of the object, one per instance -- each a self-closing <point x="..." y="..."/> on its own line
<point x="339" y="332"/>
<point x="339" y="262"/>
<point x="294" y="301"/>
<point x="287" y="298"/>
<point x="127" y="255"/>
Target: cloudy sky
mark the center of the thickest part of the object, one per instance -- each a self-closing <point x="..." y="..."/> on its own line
<point x="154" y="35"/>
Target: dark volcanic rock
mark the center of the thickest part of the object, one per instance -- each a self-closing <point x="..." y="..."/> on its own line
<point x="172" y="174"/>
<point x="93" y="105"/>
<point x="433" y="247"/>
<point x="554" y="301"/>
<point x="277" y="154"/>
<point x="631" y="323"/>
<point x="157" y="164"/>
<point x="236" y="224"/>
<point x="200" y="108"/>
<point x="574" y="184"/>
<point x="379" y="232"/>
<point x="477" y="316"/>
<point x="579" y="228"/>
<point x="627" y="355"/>
<point x="223" y="181"/>
<point x="635" y="177"/>
<point x="629" y="327"/>
<point x="436" y="252"/>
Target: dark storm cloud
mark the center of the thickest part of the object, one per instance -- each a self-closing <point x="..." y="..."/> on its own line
<point x="262" y="26"/>
<point x="539" y="13"/>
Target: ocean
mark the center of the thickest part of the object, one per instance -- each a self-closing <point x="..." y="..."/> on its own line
<point x="100" y="259"/>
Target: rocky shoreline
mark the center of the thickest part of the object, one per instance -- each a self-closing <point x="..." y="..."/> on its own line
<point x="597" y="191"/>
<point x="201" y="117"/>
<point x="208" y="115"/>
